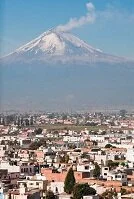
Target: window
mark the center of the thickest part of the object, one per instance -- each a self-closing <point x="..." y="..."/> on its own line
<point x="56" y="189"/>
<point x="105" y="168"/>
<point x="37" y="183"/>
<point x="118" y="176"/>
<point x="105" y="174"/>
<point x="86" y="167"/>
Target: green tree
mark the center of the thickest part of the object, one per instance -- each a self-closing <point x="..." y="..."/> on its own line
<point x="64" y="117"/>
<point x="123" y="164"/>
<point x="66" y="158"/>
<point x="35" y="145"/>
<point x="123" y="191"/>
<point x="112" y="164"/>
<point x="81" y="190"/>
<point x="123" y="113"/>
<point x="109" y="146"/>
<point x="3" y="142"/>
<point x="96" y="172"/>
<point x="109" y="194"/>
<point x="94" y="143"/>
<point x="26" y="122"/>
<point x="72" y="146"/>
<point x="51" y="116"/>
<point x="85" y="155"/>
<point x="50" y="195"/>
<point x="38" y="131"/>
<point x="69" y="181"/>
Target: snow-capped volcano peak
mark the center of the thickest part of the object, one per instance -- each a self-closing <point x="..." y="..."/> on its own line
<point x="49" y="42"/>
<point x="55" y="42"/>
<point x="54" y="45"/>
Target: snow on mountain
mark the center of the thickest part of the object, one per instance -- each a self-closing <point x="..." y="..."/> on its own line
<point x="29" y="82"/>
<point x="53" y="46"/>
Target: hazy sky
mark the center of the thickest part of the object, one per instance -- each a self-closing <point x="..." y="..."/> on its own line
<point x="110" y="28"/>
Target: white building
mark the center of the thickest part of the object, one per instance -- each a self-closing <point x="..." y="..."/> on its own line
<point x="130" y="155"/>
<point x="91" y="197"/>
<point x="119" y="176"/>
<point x="71" y="138"/>
<point x="57" y="187"/>
<point x="104" y="172"/>
<point x="85" y="167"/>
<point x="97" y="138"/>
<point x="10" y="168"/>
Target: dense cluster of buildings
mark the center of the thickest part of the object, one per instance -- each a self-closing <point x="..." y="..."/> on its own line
<point x="35" y="159"/>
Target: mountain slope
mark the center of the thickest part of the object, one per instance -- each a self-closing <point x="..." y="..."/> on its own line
<point x="43" y="74"/>
<point x="55" y="46"/>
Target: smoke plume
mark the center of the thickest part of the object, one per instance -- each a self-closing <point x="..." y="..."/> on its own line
<point x="75" y="23"/>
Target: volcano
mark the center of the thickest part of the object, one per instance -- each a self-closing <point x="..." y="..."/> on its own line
<point x="60" y="72"/>
<point x="55" y="46"/>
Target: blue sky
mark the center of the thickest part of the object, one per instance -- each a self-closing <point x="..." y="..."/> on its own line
<point x="112" y="31"/>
